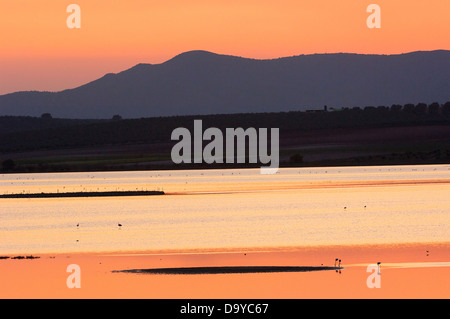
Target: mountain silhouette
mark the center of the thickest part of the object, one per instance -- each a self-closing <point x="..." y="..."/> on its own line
<point x="200" y="82"/>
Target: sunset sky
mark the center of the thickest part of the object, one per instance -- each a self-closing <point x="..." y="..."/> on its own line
<point x="39" y="52"/>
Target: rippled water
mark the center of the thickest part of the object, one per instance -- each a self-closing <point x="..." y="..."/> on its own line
<point x="226" y="209"/>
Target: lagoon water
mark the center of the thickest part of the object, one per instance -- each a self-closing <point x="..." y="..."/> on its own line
<point x="227" y="209"/>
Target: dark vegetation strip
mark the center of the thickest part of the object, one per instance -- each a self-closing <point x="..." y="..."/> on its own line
<point x="158" y="129"/>
<point x="83" y="194"/>
<point x="227" y="270"/>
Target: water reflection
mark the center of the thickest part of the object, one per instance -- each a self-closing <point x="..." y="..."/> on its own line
<point x="226" y="209"/>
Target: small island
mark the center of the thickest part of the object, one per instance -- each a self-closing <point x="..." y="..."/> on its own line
<point x="83" y="194"/>
<point x="227" y="270"/>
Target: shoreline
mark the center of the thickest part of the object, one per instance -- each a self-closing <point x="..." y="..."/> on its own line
<point x="360" y="251"/>
<point x="204" y="166"/>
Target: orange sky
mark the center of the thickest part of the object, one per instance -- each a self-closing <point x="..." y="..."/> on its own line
<point x="39" y="52"/>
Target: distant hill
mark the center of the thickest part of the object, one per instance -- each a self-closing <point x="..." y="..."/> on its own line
<point x="200" y="82"/>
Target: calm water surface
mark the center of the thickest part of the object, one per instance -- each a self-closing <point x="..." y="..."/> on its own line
<point x="226" y="209"/>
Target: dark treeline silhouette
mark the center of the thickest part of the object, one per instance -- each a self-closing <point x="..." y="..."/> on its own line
<point x="84" y="133"/>
<point x="398" y="134"/>
<point x="10" y="124"/>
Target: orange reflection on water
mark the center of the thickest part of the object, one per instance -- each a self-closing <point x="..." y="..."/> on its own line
<point x="46" y="277"/>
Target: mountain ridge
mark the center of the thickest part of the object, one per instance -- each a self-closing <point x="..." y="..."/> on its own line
<point x="202" y="82"/>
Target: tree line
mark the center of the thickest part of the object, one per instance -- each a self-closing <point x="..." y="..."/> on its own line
<point x="87" y="133"/>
